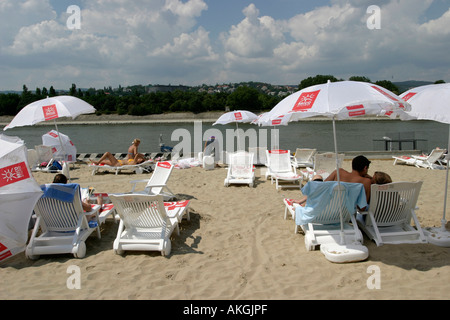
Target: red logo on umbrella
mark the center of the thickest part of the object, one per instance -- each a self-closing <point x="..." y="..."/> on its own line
<point x="14" y="173"/>
<point x="389" y="96"/>
<point x="6" y="254"/>
<point x="238" y="116"/>
<point x="355" y="111"/>
<point x="50" y="112"/>
<point x="305" y="101"/>
<point x="276" y="122"/>
<point x="409" y="96"/>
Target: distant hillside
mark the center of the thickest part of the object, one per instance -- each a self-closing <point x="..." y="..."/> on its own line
<point x="406" y="85"/>
<point x="11" y="91"/>
<point x="263" y="87"/>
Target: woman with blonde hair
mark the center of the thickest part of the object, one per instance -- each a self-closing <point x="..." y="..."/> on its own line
<point x="380" y="177"/>
<point x="133" y="156"/>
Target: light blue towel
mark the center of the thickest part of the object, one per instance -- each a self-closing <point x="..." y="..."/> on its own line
<point x="63" y="192"/>
<point x="319" y="195"/>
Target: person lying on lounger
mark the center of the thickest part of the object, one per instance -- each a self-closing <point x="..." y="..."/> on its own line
<point x="302" y="201"/>
<point x="359" y="174"/>
<point x="133" y="157"/>
<point x="61" y="178"/>
<point x="380" y="177"/>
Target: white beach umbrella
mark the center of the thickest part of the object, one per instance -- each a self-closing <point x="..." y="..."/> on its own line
<point x="50" y="109"/>
<point x="432" y="102"/>
<point x="341" y="100"/>
<point x="62" y="146"/>
<point x="264" y="120"/>
<point x="19" y="193"/>
<point x="239" y="116"/>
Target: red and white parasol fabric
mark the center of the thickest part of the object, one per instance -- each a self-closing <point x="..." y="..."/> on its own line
<point x="50" y="109"/>
<point x="264" y="120"/>
<point x="240" y="116"/>
<point x="62" y="147"/>
<point x="432" y="102"/>
<point x="341" y="100"/>
<point x="19" y="193"/>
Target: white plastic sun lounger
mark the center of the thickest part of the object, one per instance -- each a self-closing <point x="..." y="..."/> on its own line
<point x="137" y="168"/>
<point x="428" y="162"/>
<point x="324" y="165"/>
<point x="63" y="223"/>
<point x="280" y="169"/>
<point x="145" y="224"/>
<point x="392" y="208"/>
<point x="304" y="157"/>
<point x="320" y="217"/>
<point x="240" y="169"/>
<point x="157" y="184"/>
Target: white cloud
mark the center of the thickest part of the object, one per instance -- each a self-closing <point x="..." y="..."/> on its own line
<point x="438" y="27"/>
<point x="254" y="36"/>
<point x="15" y="14"/>
<point x="190" y="46"/>
<point x="160" y="41"/>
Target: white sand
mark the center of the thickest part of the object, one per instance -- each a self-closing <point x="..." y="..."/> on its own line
<point x="236" y="246"/>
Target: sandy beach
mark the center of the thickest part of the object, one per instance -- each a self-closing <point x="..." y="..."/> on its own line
<point x="237" y="245"/>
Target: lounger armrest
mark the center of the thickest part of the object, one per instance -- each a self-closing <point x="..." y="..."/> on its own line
<point x="134" y="182"/>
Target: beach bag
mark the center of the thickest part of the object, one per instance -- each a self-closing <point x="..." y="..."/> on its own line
<point x="55" y="166"/>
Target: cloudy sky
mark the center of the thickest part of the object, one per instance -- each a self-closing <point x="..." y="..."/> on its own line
<point x="191" y="42"/>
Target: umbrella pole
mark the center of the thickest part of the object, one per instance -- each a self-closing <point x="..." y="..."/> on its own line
<point x="443" y="221"/>
<point x="238" y="138"/>
<point x="339" y="181"/>
<point x="60" y="141"/>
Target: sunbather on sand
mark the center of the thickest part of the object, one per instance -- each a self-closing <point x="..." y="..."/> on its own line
<point x="133" y="157"/>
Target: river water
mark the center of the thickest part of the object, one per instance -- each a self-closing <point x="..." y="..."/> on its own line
<point x="351" y="135"/>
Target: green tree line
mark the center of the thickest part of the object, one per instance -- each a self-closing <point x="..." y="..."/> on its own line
<point x="135" y="100"/>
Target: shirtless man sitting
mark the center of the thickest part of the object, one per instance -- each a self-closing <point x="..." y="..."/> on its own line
<point x="133" y="157"/>
<point x="360" y="167"/>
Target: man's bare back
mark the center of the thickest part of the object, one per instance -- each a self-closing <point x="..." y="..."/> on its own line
<point x="355" y="176"/>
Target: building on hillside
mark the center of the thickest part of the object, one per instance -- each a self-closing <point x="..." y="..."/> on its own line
<point x="165" y="88"/>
